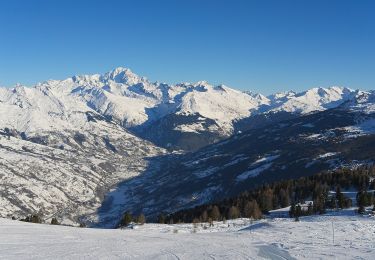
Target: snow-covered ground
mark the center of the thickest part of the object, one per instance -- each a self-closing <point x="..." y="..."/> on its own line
<point x="311" y="238"/>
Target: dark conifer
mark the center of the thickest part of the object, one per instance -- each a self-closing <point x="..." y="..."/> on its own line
<point x="126" y="219"/>
<point x="141" y="219"/>
<point x="54" y="221"/>
<point x="161" y="218"/>
<point x="215" y="213"/>
<point x="233" y="213"/>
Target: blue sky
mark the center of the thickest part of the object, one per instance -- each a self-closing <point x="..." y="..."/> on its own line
<point x="263" y="46"/>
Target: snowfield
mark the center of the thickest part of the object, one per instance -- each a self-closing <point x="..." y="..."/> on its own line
<point x="311" y="238"/>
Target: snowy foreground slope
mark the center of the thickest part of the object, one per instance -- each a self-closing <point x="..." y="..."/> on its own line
<point x="311" y="238"/>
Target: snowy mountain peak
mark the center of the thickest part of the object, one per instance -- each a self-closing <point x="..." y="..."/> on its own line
<point x="331" y="91"/>
<point x="257" y="96"/>
<point x="203" y="83"/>
<point x="123" y="75"/>
<point x="282" y="95"/>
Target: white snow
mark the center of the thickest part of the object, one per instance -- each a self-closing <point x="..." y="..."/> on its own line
<point x="266" y="159"/>
<point x="341" y="235"/>
<point x="261" y="165"/>
<point x="363" y="128"/>
<point x="254" y="172"/>
<point x="315" y="99"/>
<point x="190" y="128"/>
<point x="326" y="155"/>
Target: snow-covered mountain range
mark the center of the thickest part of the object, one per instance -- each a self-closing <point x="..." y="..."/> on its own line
<point x="138" y="104"/>
<point x="66" y="144"/>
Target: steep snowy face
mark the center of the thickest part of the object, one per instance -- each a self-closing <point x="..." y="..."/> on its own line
<point x="219" y="103"/>
<point x="33" y="109"/>
<point x="123" y="76"/>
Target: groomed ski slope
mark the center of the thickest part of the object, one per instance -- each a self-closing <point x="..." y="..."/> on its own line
<point x="311" y="238"/>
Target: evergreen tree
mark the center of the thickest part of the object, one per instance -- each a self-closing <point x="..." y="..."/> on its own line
<point x="141" y="219"/>
<point x="310" y="209"/>
<point x="320" y="204"/>
<point x="215" y="213"/>
<point x="161" y="219"/>
<point x="252" y="210"/>
<point x="233" y="213"/>
<point x="204" y="216"/>
<point x="54" y="221"/>
<point x="126" y="219"/>
<point x="195" y="222"/>
<point x="364" y="199"/>
<point x="298" y="212"/>
<point x="82" y="225"/>
<point x="340" y="198"/>
<point x="332" y="202"/>
<point x="266" y="200"/>
<point x="292" y="210"/>
<point x="284" y="198"/>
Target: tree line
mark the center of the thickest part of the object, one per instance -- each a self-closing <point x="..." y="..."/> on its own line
<point x="254" y="203"/>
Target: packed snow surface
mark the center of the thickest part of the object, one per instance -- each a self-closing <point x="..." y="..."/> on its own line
<point x="311" y="238"/>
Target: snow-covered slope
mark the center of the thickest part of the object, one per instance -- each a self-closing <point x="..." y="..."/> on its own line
<point x="310" y="238"/>
<point x="65" y="174"/>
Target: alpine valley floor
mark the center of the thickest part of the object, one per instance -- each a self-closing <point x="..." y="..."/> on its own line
<point x="310" y="238"/>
